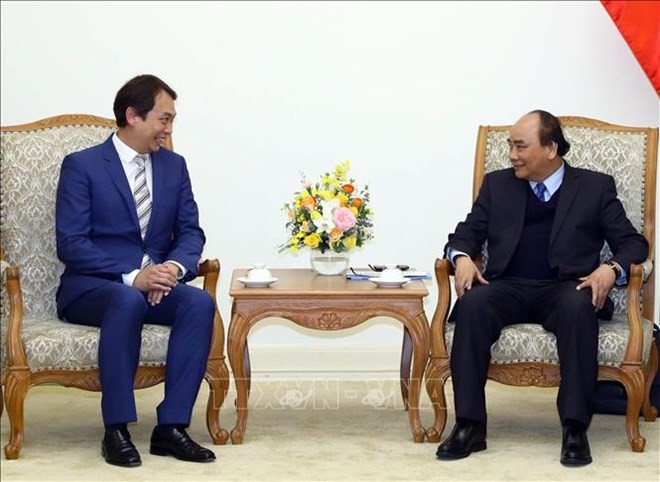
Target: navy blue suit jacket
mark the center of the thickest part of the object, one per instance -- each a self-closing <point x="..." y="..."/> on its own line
<point x="98" y="235"/>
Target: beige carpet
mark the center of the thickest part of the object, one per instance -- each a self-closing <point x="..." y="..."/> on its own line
<point x="325" y="430"/>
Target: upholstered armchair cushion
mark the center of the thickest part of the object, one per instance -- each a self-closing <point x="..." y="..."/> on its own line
<point x="529" y="342"/>
<point x="51" y="344"/>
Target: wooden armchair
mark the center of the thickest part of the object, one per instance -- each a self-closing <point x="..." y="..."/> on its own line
<point x="525" y="354"/>
<point x="36" y="346"/>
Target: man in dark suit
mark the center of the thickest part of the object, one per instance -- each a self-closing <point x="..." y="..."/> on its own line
<point x="545" y="223"/>
<point x="128" y="234"/>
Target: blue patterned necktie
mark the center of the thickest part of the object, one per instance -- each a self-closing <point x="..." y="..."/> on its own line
<point x="142" y="201"/>
<point x="540" y="191"/>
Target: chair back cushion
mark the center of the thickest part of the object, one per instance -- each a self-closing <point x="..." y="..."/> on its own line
<point x="30" y="169"/>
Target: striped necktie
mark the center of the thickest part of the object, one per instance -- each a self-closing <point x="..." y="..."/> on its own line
<point x="540" y="191"/>
<point x="142" y="201"/>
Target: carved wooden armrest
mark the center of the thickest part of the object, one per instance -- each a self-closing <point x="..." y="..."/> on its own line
<point x="15" y="352"/>
<point x="647" y="267"/>
<point x="443" y="270"/>
<point x="209" y="269"/>
<point x="633" y="355"/>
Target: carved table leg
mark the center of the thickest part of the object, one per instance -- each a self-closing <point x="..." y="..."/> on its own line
<point x="421" y="343"/>
<point x="246" y="364"/>
<point x="238" y="330"/>
<point x="406" y="357"/>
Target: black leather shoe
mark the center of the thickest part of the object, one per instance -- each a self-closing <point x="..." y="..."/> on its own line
<point x="168" y="440"/>
<point x="575" y="446"/>
<point x="117" y="449"/>
<point x="467" y="436"/>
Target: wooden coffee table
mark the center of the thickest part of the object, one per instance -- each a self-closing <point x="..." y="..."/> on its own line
<point x="328" y="303"/>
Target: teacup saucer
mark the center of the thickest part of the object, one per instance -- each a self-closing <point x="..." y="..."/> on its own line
<point x="386" y="283"/>
<point x="257" y="283"/>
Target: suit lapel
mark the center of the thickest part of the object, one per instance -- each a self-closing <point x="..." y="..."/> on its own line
<point x="158" y="177"/>
<point x="118" y="176"/>
<point x="569" y="189"/>
<point x="518" y="204"/>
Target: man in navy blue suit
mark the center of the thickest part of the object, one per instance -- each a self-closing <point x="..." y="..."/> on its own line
<point x="545" y="223"/>
<point x="129" y="236"/>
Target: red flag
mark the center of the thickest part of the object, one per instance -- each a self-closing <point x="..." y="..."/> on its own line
<point x="639" y="23"/>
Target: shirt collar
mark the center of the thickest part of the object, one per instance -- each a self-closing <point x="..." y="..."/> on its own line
<point x="552" y="182"/>
<point x="126" y="153"/>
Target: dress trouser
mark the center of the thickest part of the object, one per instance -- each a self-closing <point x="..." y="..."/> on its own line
<point x="121" y="311"/>
<point x="482" y="313"/>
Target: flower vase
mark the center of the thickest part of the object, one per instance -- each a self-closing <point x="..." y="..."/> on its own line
<point x="329" y="263"/>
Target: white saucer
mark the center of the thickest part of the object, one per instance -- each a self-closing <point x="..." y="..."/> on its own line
<point x="256" y="284"/>
<point x="382" y="283"/>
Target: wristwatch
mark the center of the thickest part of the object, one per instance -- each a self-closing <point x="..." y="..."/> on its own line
<point x="615" y="268"/>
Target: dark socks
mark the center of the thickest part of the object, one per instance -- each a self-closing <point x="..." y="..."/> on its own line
<point x="116" y="426"/>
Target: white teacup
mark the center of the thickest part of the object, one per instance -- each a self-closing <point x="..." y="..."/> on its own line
<point x="259" y="272"/>
<point x="392" y="273"/>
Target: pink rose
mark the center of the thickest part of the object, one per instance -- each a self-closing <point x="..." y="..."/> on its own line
<point x="343" y="218"/>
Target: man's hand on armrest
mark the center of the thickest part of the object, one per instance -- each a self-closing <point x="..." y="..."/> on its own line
<point x="465" y="274"/>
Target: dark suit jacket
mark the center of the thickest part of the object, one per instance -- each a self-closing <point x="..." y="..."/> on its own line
<point x="98" y="234"/>
<point x="588" y="213"/>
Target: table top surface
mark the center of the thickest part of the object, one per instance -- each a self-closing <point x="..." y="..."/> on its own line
<point x="306" y="282"/>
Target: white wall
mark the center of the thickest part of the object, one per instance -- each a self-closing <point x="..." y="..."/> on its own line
<point x="269" y="89"/>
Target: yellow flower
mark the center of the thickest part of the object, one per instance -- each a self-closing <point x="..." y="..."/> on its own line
<point x="354" y="210"/>
<point x="313" y="240"/>
<point x="294" y="249"/>
<point x="341" y="170"/>
<point x="343" y="200"/>
<point x="326" y="195"/>
<point x="315" y="215"/>
<point x="350" y="242"/>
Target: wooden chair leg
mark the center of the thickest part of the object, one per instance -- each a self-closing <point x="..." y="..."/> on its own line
<point x="649" y="411"/>
<point x="17" y="387"/>
<point x="436" y="375"/>
<point x="217" y="376"/>
<point x="634" y="386"/>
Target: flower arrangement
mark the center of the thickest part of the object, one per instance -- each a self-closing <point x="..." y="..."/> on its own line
<point x="330" y="215"/>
